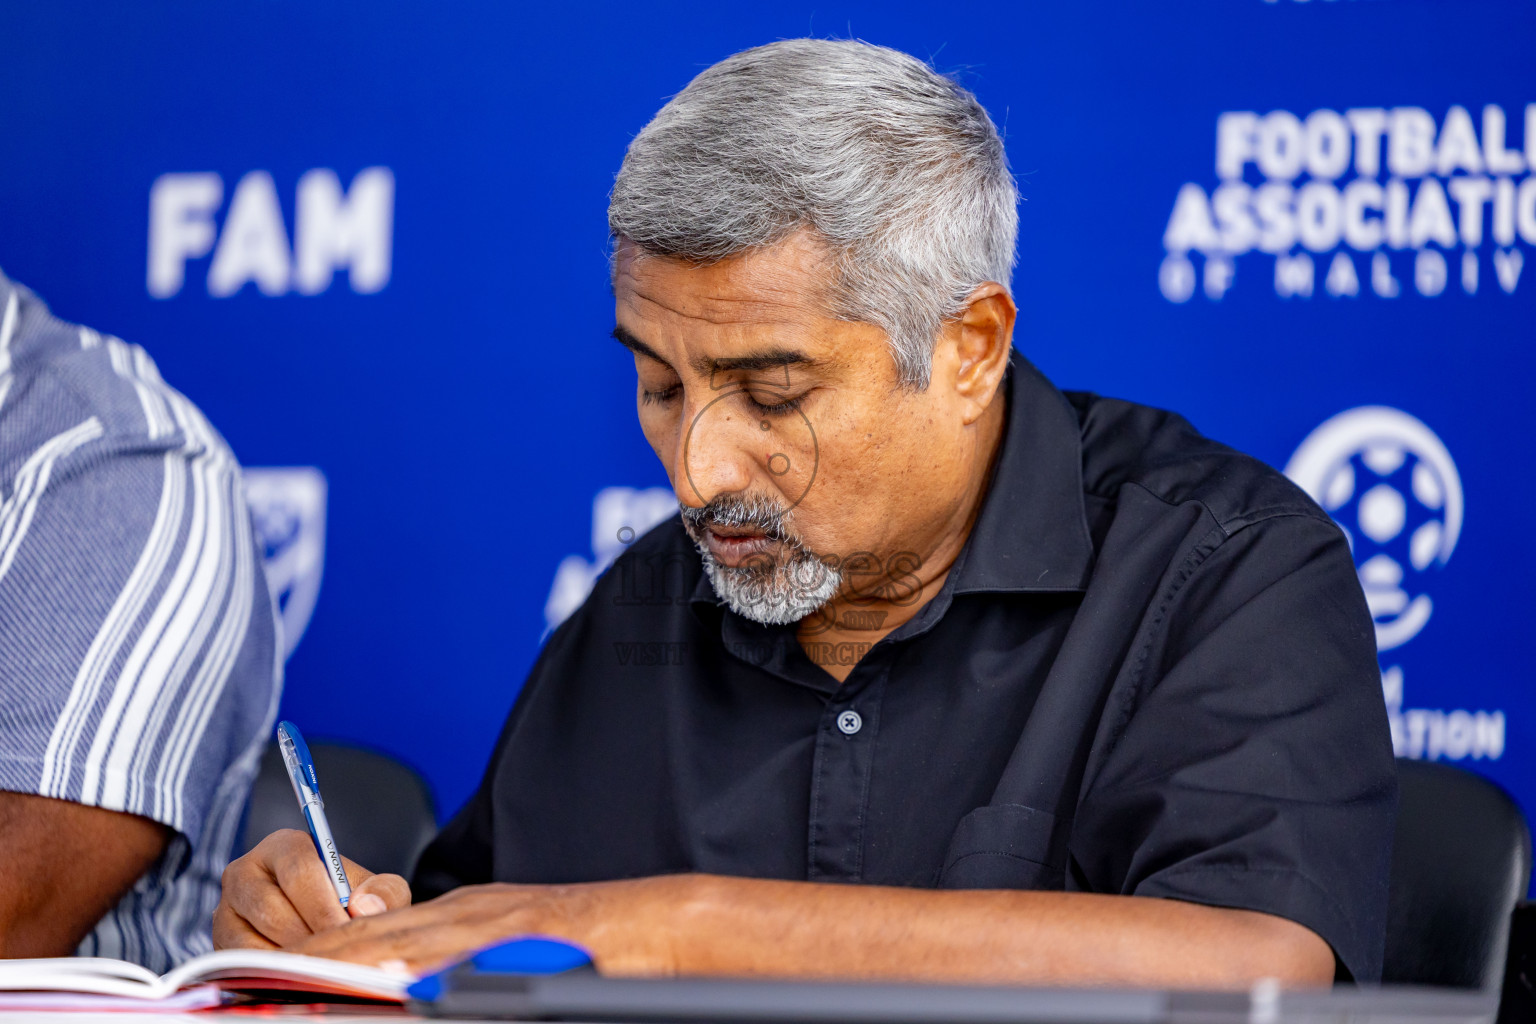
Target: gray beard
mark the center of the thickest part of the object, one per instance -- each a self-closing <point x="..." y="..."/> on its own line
<point x="774" y="595"/>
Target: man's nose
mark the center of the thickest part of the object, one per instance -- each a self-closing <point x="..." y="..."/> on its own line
<point x="716" y="454"/>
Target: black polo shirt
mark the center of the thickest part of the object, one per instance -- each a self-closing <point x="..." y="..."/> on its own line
<point x="1151" y="671"/>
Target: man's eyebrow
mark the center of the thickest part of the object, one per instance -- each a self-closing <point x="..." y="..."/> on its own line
<point x="769" y="359"/>
<point x="634" y="344"/>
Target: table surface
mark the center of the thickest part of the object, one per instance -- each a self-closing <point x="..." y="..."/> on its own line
<point x="234" y="1015"/>
<point x="702" y="1000"/>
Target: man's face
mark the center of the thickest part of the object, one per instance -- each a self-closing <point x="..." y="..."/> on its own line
<point x="804" y="470"/>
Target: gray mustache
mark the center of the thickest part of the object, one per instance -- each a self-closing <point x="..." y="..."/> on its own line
<point x="734" y="510"/>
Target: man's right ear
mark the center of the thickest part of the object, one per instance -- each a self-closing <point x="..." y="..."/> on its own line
<point x="982" y="337"/>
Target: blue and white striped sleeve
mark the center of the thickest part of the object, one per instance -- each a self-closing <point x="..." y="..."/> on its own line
<point x="138" y="662"/>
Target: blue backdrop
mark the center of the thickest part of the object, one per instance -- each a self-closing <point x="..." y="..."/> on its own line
<point x="370" y="239"/>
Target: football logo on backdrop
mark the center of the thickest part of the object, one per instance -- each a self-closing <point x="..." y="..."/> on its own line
<point x="288" y="513"/>
<point x="1391" y="485"/>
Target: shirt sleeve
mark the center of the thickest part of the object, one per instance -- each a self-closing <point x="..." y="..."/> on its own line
<point x="460" y="854"/>
<point x="463" y="853"/>
<point x="136" y="635"/>
<point x="1255" y="767"/>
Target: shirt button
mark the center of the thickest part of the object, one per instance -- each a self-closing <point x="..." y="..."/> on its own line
<point x="850" y="722"/>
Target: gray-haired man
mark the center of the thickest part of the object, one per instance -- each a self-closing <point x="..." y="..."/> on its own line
<point x="941" y="673"/>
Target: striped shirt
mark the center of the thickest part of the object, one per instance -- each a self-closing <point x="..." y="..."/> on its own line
<point x="138" y="656"/>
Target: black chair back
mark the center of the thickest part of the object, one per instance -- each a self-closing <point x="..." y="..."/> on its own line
<point x="1460" y="863"/>
<point x="380" y="810"/>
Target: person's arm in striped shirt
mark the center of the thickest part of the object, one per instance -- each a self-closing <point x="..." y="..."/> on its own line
<point x="138" y="659"/>
<point x="63" y="866"/>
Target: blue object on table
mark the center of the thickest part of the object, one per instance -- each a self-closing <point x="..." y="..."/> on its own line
<point x="530" y="955"/>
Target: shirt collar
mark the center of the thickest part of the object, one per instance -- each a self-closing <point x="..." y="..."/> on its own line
<point x="1032" y="532"/>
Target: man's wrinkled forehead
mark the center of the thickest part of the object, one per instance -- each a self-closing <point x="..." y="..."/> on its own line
<point x="784" y="286"/>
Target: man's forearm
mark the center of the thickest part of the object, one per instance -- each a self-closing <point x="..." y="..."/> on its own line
<point x="734" y="926"/>
<point x="709" y="924"/>
<point x="62" y="866"/>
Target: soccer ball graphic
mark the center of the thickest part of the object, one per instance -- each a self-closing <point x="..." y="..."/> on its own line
<point x="1391" y="485"/>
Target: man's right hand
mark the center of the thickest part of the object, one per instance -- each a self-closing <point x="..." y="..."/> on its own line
<point x="279" y="894"/>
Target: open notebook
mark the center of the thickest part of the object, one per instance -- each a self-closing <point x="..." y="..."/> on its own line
<point x="208" y="980"/>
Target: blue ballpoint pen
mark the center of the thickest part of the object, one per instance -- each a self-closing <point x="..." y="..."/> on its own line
<point x="301" y="772"/>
